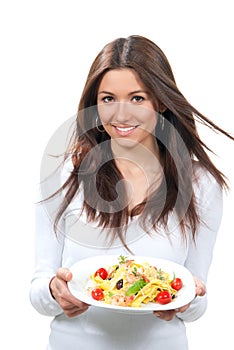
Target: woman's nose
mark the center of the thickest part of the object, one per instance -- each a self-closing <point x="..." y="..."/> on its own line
<point x="117" y="113"/>
<point x="122" y="112"/>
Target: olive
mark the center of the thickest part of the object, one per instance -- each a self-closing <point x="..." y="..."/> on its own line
<point x="119" y="284"/>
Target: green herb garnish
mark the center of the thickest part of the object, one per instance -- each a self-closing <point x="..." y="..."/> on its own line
<point x="160" y="275"/>
<point x="122" y="259"/>
<point x="135" y="287"/>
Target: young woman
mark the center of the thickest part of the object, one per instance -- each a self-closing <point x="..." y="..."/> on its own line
<point x="136" y="179"/>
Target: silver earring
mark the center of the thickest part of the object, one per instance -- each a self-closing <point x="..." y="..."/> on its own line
<point x="97" y="126"/>
<point x="161" y="120"/>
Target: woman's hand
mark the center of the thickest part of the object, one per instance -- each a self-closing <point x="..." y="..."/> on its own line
<point x="58" y="287"/>
<point x="168" y="315"/>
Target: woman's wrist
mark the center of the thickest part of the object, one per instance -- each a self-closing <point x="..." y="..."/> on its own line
<point x="50" y="287"/>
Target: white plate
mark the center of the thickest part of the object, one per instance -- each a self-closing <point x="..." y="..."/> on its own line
<point x="82" y="270"/>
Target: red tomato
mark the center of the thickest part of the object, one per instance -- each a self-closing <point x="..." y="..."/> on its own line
<point x="102" y="273"/>
<point x="163" y="298"/>
<point x="97" y="294"/>
<point x="177" y="284"/>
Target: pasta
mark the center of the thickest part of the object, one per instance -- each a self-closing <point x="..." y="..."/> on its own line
<point x="129" y="283"/>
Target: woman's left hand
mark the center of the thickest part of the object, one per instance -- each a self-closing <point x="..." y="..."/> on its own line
<point x="168" y="315"/>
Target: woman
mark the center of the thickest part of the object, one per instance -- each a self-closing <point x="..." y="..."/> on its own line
<point x="136" y="180"/>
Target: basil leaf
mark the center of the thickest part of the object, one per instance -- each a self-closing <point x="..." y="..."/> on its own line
<point x="135" y="287"/>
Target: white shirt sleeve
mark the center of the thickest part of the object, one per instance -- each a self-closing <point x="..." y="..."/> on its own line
<point x="210" y="204"/>
<point x="48" y="244"/>
<point x="48" y="257"/>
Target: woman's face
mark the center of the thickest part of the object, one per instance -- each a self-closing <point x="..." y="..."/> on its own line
<point x="126" y="109"/>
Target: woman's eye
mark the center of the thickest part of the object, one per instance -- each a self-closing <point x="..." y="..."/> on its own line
<point x="138" y="98"/>
<point x="107" y="99"/>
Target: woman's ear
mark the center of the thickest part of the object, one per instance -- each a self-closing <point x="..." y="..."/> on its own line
<point x="162" y="108"/>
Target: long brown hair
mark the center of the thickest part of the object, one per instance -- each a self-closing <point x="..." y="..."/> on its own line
<point x="93" y="163"/>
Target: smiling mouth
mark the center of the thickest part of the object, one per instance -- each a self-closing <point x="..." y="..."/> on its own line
<point x="124" y="130"/>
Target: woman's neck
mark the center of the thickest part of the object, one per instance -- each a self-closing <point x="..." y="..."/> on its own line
<point x="142" y="171"/>
<point x="137" y="157"/>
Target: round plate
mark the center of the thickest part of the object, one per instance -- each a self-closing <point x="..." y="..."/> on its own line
<point x="83" y="269"/>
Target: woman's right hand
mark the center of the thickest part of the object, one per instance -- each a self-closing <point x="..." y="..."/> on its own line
<point x="58" y="287"/>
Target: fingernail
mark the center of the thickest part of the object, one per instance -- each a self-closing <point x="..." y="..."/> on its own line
<point x="157" y="314"/>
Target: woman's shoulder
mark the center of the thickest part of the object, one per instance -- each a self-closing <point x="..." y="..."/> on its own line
<point x="204" y="183"/>
<point x="201" y="174"/>
<point x="67" y="169"/>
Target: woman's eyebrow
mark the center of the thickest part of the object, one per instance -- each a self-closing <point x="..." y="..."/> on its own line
<point x="130" y="93"/>
<point x="138" y="92"/>
<point x="105" y="92"/>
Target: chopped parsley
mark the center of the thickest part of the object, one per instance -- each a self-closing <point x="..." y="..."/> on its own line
<point x="122" y="259"/>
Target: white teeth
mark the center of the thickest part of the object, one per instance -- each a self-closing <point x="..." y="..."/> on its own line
<point x="125" y="129"/>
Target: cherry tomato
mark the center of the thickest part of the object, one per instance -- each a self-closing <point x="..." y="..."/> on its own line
<point x="163" y="298"/>
<point x="97" y="294"/>
<point x="177" y="284"/>
<point x="102" y="273"/>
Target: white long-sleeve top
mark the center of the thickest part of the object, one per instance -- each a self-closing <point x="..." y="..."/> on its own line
<point x="104" y="329"/>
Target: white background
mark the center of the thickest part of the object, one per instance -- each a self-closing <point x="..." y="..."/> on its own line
<point x="46" y="50"/>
